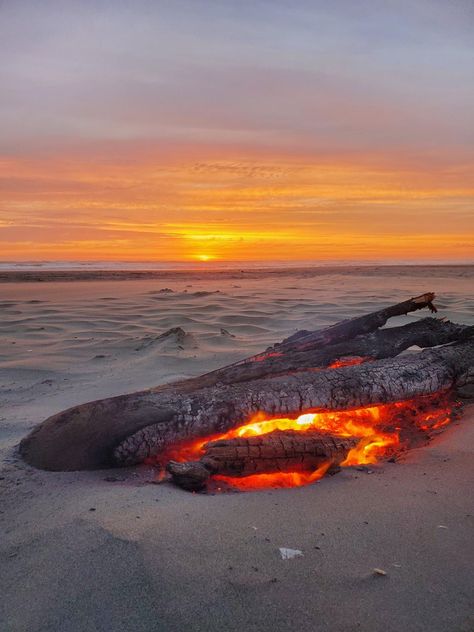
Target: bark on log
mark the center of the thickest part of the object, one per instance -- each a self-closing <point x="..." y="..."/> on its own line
<point x="279" y="451"/>
<point x="352" y="327"/>
<point x="382" y="343"/>
<point x="126" y="429"/>
<point x="218" y="409"/>
<point x="85" y="437"/>
<point x="280" y="354"/>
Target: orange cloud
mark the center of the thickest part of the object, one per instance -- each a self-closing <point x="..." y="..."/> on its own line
<point x="173" y="206"/>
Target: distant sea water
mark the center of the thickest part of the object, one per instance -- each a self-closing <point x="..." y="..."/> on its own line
<point x="71" y="266"/>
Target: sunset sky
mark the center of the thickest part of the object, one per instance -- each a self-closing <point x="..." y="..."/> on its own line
<point x="237" y="130"/>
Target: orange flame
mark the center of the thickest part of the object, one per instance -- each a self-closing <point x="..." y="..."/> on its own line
<point x="275" y="479"/>
<point x="349" y="361"/>
<point x="378" y="427"/>
<point x="263" y="356"/>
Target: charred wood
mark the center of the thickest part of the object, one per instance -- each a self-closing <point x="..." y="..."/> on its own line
<point x="126" y="429"/>
<point x="279" y="451"/>
<point x="218" y="409"/>
<point x="382" y="343"/>
<point x="352" y="327"/>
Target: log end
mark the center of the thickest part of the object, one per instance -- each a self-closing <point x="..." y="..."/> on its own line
<point x="192" y="475"/>
<point x="425" y="300"/>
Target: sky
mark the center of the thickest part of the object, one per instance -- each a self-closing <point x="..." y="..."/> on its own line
<point x="209" y="130"/>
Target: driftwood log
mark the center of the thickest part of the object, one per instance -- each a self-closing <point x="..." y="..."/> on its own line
<point x="287" y="379"/>
<point x="279" y="451"/>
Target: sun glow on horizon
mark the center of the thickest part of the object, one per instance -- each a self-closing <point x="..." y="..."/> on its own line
<point x="246" y="209"/>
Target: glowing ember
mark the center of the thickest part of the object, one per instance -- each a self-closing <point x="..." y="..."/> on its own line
<point x="383" y="430"/>
<point x="349" y="361"/>
<point x="275" y="479"/>
<point x="264" y="356"/>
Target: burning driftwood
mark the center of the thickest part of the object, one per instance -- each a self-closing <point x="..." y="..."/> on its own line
<point x="346" y="366"/>
<point x="280" y="451"/>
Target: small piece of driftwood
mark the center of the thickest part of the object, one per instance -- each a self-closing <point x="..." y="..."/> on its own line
<point x="279" y="451"/>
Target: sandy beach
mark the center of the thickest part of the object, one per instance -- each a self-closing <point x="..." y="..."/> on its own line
<point x="110" y="550"/>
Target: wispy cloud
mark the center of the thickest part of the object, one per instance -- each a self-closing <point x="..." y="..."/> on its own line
<point x="320" y="127"/>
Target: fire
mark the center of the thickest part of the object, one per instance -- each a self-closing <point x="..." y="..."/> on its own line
<point x="383" y="430"/>
<point x="275" y="479"/>
<point x="349" y="361"/>
<point x="263" y="356"/>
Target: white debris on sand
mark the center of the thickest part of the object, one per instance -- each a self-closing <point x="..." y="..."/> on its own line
<point x="289" y="554"/>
